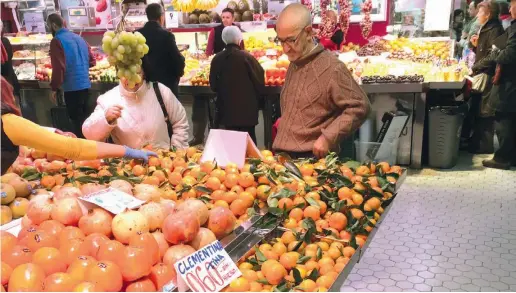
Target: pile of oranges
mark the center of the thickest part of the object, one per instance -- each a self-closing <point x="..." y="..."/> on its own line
<point x="83" y="250"/>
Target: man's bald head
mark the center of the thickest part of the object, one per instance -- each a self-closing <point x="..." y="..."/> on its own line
<point x="295" y="15"/>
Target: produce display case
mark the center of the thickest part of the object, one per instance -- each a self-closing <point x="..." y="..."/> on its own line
<point x="262" y="226"/>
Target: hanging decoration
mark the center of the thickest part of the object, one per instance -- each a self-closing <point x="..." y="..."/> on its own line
<point x="344" y="16"/>
<point x="327" y="25"/>
<point x="366" y="24"/>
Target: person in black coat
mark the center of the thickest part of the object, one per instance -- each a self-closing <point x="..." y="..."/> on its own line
<point x="490" y="29"/>
<point x="239" y="81"/>
<point x="505" y="123"/>
<point x="166" y="64"/>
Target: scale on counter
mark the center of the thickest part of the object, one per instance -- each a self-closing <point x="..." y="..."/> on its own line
<point x="80" y="17"/>
<point x="276" y="6"/>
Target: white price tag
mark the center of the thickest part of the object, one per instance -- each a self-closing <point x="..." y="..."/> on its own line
<point x="271" y="52"/>
<point x="209" y="269"/>
<point x="113" y="200"/>
<point x="253" y="26"/>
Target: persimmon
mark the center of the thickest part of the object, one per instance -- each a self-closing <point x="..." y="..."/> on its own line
<point x="70" y="232"/>
<point x="79" y="266"/>
<point x="106" y="275"/>
<point x="92" y="243"/>
<point x="52" y="227"/>
<point x="141" y="285"/>
<point x="18" y="255"/>
<point x="6" y="273"/>
<point x="42" y="239"/>
<point x="86" y="287"/>
<point x="59" y="282"/>
<point x="8" y="241"/>
<point x="22" y="235"/>
<point x="72" y="249"/>
<point x="148" y="243"/>
<point x="49" y="259"/>
<point x="110" y="250"/>
<point x="135" y="263"/>
<point x="26" y="277"/>
<point x="161" y="274"/>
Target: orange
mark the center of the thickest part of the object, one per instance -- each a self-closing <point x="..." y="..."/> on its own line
<point x="245" y="179"/>
<point x="239" y="285"/>
<point x="230" y="196"/>
<point x="300" y="201"/>
<point x="152" y="180"/>
<point x="138" y="170"/>
<point x="207" y="167"/>
<point x="362" y="170"/>
<point x="279" y="248"/>
<point x="174" y="178"/>
<point x="296" y="214"/>
<point x="290" y="223"/>
<point x="357" y="198"/>
<point x="48" y="181"/>
<point x="213" y="183"/>
<point x="348" y="251"/>
<point x="288" y="237"/>
<point x="270" y="254"/>
<point x="333" y="275"/>
<point x="218" y="173"/>
<point x="255" y="287"/>
<point x="262" y="192"/>
<point x="247" y="197"/>
<point x="251" y="190"/>
<point x="250" y="275"/>
<point x="372" y="204"/>
<point x="275" y="274"/>
<point x="221" y="203"/>
<point x="265" y="247"/>
<point x="245" y="266"/>
<point x="293" y="244"/>
<point x="307" y="285"/>
<point x="323" y="270"/>
<point x="324" y="281"/>
<point x="311" y="265"/>
<point x="357" y="214"/>
<point x="313" y="194"/>
<point x="154" y="161"/>
<point x="322" y="206"/>
<point x="268" y="264"/>
<point x="239" y="207"/>
<point x="334" y="253"/>
<point x="289" y="260"/>
<point x="326" y="260"/>
<point x="307" y="169"/>
<point x="340" y="266"/>
<point x="338" y="221"/>
<point x="312" y="212"/>
<point x="231" y="180"/>
<point x="285" y="203"/>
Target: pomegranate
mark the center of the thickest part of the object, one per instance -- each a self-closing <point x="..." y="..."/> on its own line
<point x="66" y="192"/>
<point x="162" y="243"/>
<point x="67" y="211"/>
<point x="147" y="192"/>
<point x="221" y="221"/>
<point x="91" y="188"/>
<point x="40" y="210"/>
<point x="168" y="206"/>
<point x="96" y="221"/>
<point x="180" y="227"/>
<point x="122" y="185"/>
<point x="154" y="214"/>
<point x="203" y="238"/>
<point x="146" y="241"/>
<point x="196" y="207"/>
<point x="127" y="224"/>
<point x="176" y="253"/>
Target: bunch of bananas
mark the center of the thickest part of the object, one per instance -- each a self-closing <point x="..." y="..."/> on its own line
<point x="206" y="4"/>
<point x="191" y="64"/>
<point x="184" y="5"/>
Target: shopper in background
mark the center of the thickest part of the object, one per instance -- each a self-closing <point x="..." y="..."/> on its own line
<point x="215" y="42"/>
<point x="491" y="28"/>
<point x="505" y="15"/>
<point x="239" y="81"/>
<point x="335" y="41"/>
<point x="17" y="131"/>
<point x="321" y="103"/>
<point x="71" y="58"/>
<point x="472" y="26"/>
<point x="166" y="63"/>
<point x="505" y="118"/>
<point x="7" y="69"/>
<point x="134" y="116"/>
<point x="458" y="24"/>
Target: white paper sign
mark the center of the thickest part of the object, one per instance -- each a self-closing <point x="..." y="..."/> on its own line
<point x="210" y="269"/>
<point x="253" y="26"/>
<point x="113" y="200"/>
<point x="171" y="19"/>
<point x="437" y="15"/>
<point x="34" y="22"/>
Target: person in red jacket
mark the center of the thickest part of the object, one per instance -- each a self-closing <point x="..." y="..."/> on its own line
<point x="215" y="42"/>
<point x="334" y="42"/>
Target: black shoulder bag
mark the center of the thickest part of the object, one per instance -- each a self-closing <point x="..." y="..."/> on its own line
<point x="165" y="113"/>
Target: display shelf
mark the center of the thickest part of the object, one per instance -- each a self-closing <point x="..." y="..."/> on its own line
<point x="30" y="58"/>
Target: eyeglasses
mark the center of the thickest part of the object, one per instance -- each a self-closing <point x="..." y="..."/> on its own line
<point x="292" y="40"/>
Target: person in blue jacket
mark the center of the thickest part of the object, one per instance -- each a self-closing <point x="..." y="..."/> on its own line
<point x="71" y="59"/>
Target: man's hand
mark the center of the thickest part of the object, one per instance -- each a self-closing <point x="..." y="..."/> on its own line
<point x="53" y="97"/>
<point x="474" y="40"/>
<point x="321" y="147"/>
<point x="113" y="113"/>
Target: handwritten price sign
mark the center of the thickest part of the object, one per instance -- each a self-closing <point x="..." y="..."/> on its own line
<point x="113" y="200"/>
<point x="209" y="269"/>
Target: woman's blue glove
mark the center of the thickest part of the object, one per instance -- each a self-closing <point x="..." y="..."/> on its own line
<point x="138" y="154"/>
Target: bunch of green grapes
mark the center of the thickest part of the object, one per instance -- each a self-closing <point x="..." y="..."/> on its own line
<point x="125" y="51"/>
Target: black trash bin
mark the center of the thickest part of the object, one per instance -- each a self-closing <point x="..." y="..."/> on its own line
<point x="444" y="129"/>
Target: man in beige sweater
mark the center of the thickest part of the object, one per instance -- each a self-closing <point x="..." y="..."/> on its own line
<point x="321" y="104"/>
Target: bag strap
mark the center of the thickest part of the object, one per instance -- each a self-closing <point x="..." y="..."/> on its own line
<point x="164" y="109"/>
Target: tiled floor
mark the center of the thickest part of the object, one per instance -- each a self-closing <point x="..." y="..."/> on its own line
<point x="446" y="231"/>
